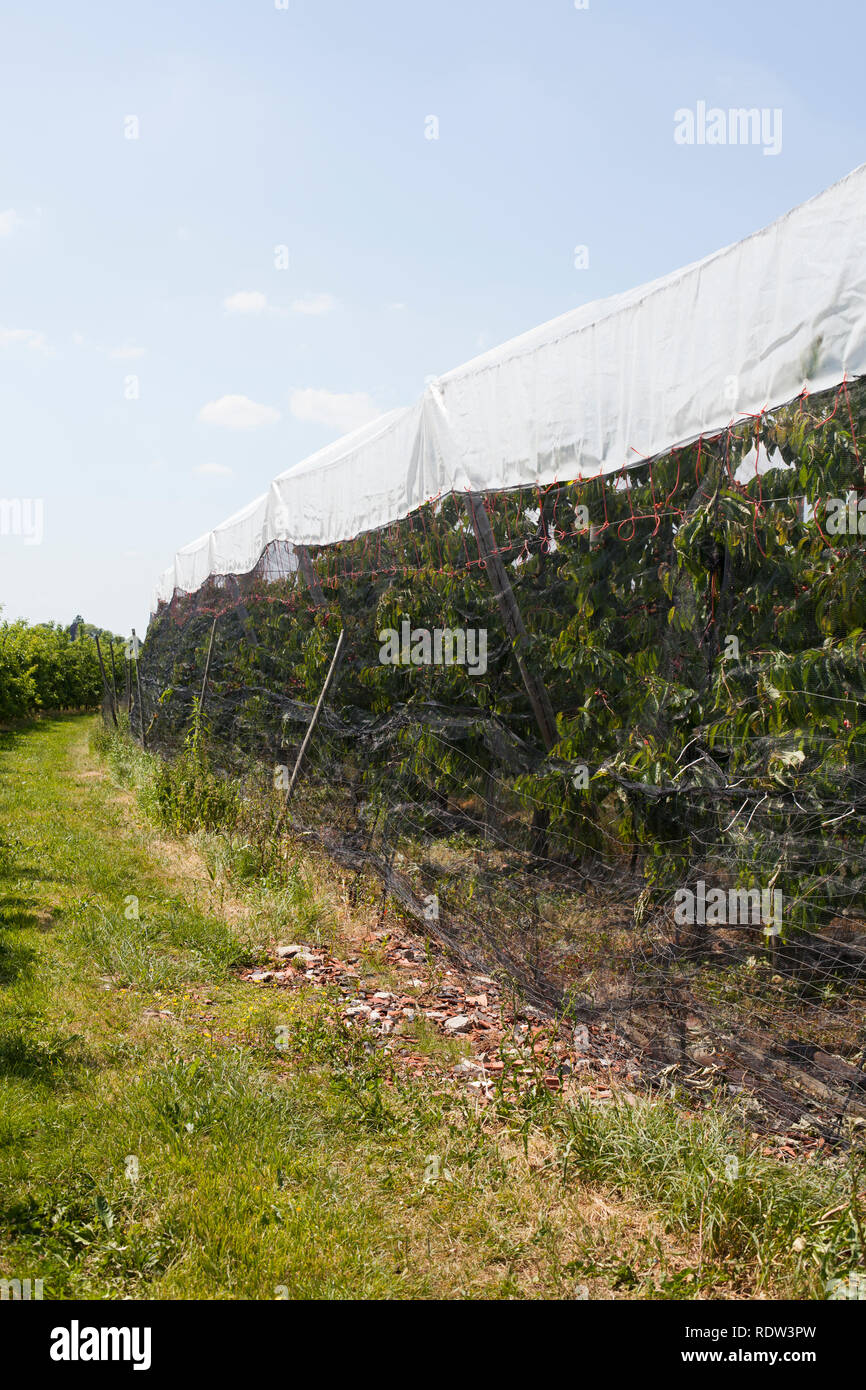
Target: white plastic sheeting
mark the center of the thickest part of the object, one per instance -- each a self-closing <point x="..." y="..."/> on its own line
<point x="599" y="389"/>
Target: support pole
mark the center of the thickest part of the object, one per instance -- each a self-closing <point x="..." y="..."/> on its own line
<point x="105" y="686"/>
<point x="204" y="680"/>
<point x="113" y="674"/>
<point x="316" y="712"/>
<point x="311" y="579"/>
<point x="512" y="618"/>
<point x="140" y="703"/>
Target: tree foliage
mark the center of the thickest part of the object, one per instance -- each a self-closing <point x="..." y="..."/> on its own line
<point x="700" y="633"/>
<point x="43" y="668"/>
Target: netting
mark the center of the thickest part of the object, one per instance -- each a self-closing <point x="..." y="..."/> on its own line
<point x="604" y="740"/>
<point x="632" y="376"/>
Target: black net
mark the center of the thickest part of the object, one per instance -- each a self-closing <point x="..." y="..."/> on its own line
<point x="604" y="740"/>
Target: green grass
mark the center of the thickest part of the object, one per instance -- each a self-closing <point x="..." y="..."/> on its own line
<point x="801" y="1224"/>
<point x="170" y="1131"/>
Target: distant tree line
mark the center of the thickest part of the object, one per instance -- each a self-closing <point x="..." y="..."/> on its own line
<point x="45" y="666"/>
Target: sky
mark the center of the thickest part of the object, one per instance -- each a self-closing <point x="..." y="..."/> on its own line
<point x="233" y="230"/>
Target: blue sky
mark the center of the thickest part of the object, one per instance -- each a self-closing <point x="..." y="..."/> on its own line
<point x="139" y="294"/>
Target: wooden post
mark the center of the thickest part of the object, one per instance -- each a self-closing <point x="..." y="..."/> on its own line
<point x="113" y="674"/>
<point x="311" y="579"/>
<point x="105" y="686"/>
<point x="308" y="735"/>
<point x="511" y="616"/>
<point x="128" y="684"/>
<point x="204" y="680"/>
<point x="140" y="703"/>
<point x="316" y="712"/>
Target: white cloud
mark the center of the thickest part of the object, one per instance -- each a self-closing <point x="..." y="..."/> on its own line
<point x="341" y="412"/>
<point x="213" y="470"/>
<point x="9" y="222"/>
<point x="237" y="413"/>
<point x="246" y="302"/>
<point x="26" y="337"/>
<point x="127" y="353"/>
<point x="315" y="304"/>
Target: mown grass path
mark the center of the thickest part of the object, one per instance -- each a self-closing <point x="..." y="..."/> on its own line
<point x="168" y="1130"/>
<point x="166" y="1133"/>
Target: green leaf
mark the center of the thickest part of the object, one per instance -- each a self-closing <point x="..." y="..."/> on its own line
<point x="106" y="1215"/>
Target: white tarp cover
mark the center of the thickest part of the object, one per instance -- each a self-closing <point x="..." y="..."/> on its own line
<point x="601" y="388"/>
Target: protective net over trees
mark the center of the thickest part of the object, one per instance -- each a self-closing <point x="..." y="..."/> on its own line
<point x="603" y="736"/>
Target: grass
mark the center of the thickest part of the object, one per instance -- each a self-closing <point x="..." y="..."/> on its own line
<point x="168" y="1130"/>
